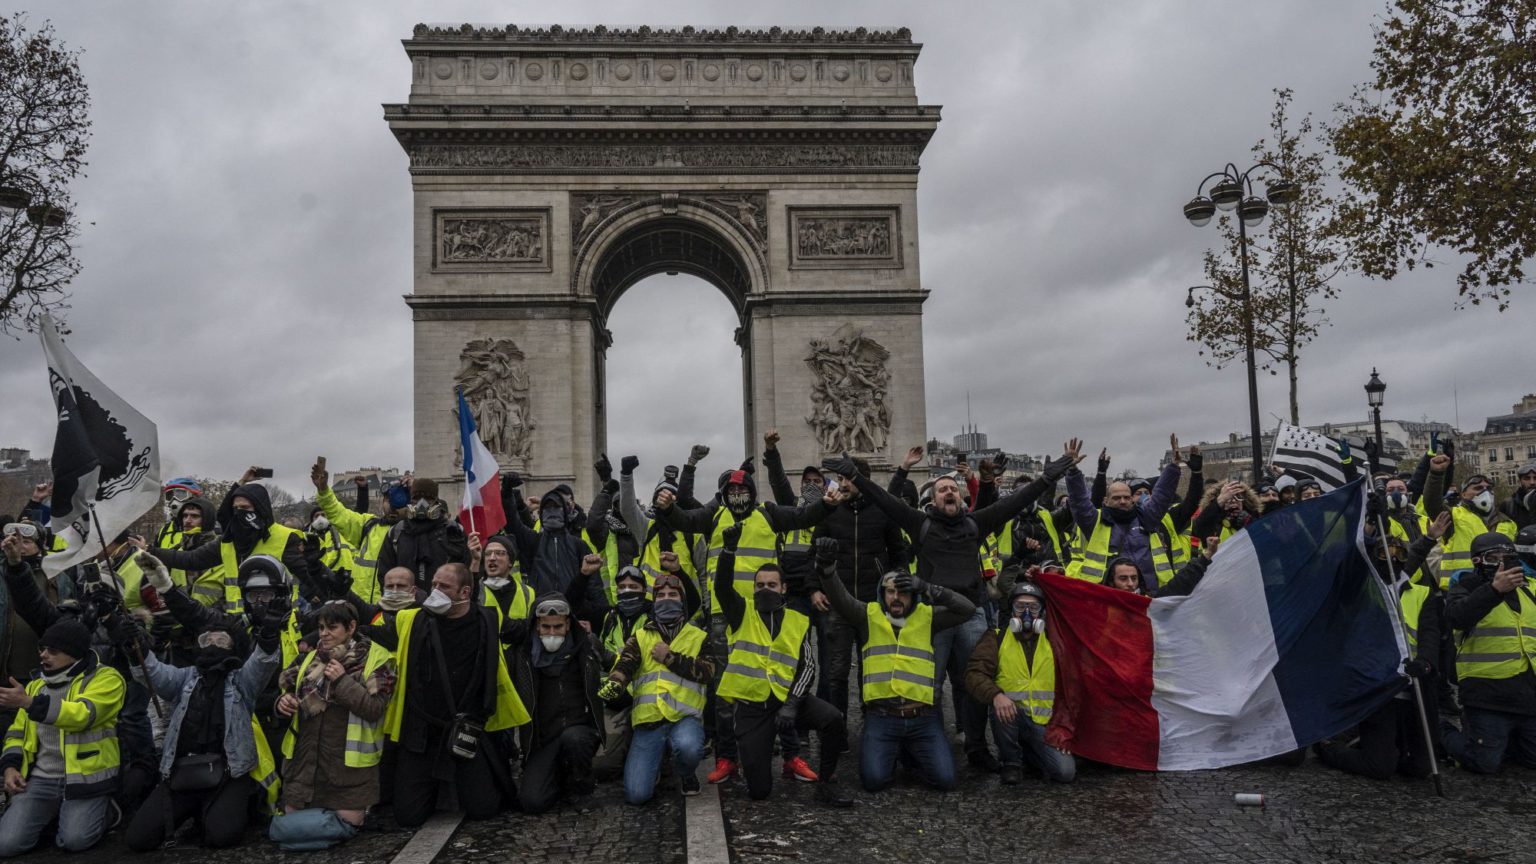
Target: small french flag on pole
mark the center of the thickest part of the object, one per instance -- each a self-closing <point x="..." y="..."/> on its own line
<point x="481" y="513"/>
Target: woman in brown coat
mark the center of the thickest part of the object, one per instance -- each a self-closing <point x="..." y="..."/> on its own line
<point x="336" y="697"/>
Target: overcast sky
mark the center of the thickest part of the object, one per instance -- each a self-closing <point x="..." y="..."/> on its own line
<point x="242" y="280"/>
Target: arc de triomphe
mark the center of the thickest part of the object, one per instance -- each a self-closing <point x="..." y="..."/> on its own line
<point x="552" y="169"/>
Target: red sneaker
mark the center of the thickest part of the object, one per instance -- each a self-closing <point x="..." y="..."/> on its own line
<point x="724" y="770"/>
<point x="797" y="769"/>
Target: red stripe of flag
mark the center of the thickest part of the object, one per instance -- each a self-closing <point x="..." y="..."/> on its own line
<point x="1102" y="640"/>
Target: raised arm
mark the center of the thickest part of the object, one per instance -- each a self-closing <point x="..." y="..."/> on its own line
<point x="629" y="505"/>
<point x="773" y="463"/>
<point x="992" y="517"/>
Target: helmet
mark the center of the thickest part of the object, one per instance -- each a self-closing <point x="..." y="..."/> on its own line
<point x="180" y="489"/>
<point x="1026" y="589"/>
<point x="263" y="571"/>
<point x="1525" y="546"/>
<point x="1492" y="541"/>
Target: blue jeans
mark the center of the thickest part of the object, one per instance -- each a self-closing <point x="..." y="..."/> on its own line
<point x="82" y="821"/>
<point x="952" y="649"/>
<point x="314" y="828"/>
<point x="643" y="764"/>
<point x="886" y="737"/>
<point x="1023" y="741"/>
<point x="1486" y="734"/>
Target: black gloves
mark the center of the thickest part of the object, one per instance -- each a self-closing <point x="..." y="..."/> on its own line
<point x="1418" y="668"/>
<point x="1057" y="468"/>
<point x="1103" y="464"/>
<point x="267" y="639"/>
<point x="268" y="624"/>
<point x="1196" y="461"/>
<point x="910" y="584"/>
<point x="841" y="465"/>
<point x="826" y="549"/>
<point x="510" y="481"/>
<point x="786" y="717"/>
<point x="604" y="468"/>
<point x="747" y="466"/>
<point x="729" y="536"/>
<point x="628" y="464"/>
<point x="123" y="631"/>
<point x="1375" y="506"/>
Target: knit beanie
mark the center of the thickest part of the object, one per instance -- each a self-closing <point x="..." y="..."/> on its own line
<point x="67" y="636"/>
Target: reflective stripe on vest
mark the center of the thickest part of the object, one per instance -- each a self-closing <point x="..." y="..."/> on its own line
<point x="1456" y="548"/>
<point x="273" y="544"/>
<point x="899" y="665"/>
<point x="761" y="664"/>
<point x="758" y="545"/>
<point x="1096" y="555"/>
<point x="91" y="755"/>
<point x="661" y="695"/>
<point x="365" y="739"/>
<point x="1031" y="686"/>
<point x="1503" y="644"/>
<point x="1412" y="603"/>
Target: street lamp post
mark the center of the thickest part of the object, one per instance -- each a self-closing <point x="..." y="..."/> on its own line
<point x="1375" y="396"/>
<point x="1234" y="189"/>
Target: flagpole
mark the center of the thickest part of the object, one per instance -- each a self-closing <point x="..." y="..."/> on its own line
<point x="464" y="460"/>
<point x="1418" y="691"/>
<point x="138" y="651"/>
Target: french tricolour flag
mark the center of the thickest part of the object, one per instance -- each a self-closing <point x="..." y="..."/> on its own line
<point x="1288" y="639"/>
<point x="482" y="513"/>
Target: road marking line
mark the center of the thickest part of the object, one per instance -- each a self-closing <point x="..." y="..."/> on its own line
<point x="429" y="839"/>
<point x="705" y="825"/>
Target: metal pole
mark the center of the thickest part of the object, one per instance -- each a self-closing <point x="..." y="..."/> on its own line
<point x="1253" y="380"/>
<point x="1418" y="691"/>
<point x="1376" y="412"/>
<point x="138" y="652"/>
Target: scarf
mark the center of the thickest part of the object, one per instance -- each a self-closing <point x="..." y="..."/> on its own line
<point x="314" y="690"/>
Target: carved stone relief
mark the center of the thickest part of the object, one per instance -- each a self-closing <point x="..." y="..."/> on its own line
<point x="865" y="237"/>
<point x="494" y="377"/>
<point x="748" y="210"/>
<point x="491" y="240"/>
<point x="511" y="158"/>
<point x="849" y="406"/>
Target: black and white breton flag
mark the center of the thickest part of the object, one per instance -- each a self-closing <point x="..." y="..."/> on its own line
<point x="106" y="458"/>
<point x="1306" y="455"/>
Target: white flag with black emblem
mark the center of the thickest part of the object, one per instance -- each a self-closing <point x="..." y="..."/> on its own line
<point x="1306" y="455"/>
<point x="106" y="458"/>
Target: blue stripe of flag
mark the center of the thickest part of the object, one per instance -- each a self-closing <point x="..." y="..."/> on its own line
<point x="466" y="437"/>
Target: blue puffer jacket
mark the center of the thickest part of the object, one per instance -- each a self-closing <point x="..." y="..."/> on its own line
<point x="174" y="684"/>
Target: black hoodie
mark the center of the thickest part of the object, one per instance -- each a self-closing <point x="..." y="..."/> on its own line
<point x="552" y="563"/>
<point x="210" y="555"/>
<point x="555" y="698"/>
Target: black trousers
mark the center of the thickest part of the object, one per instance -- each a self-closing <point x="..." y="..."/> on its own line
<point x="224" y="814"/>
<point x="1391" y="741"/>
<point x="417" y="780"/>
<point x="565" y="762"/>
<point x="756" y="728"/>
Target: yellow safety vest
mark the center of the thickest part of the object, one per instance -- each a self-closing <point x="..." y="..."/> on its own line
<point x="1503" y="644"/>
<point x="208" y="587"/>
<point x="1412" y="602"/>
<point x="517" y="610"/>
<point x="366" y="535"/>
<point x="265" y="772"/>
<point x="509" y="706"/>
<point x="1031" y="686"/>
<point x="273" y="544"/>
<point x="1456" y="549"/>
<point x="365" y="739"/>
<point x="131" y="580"/>
<point x="758" y="545"/>
<point x="761" y="664"/>
<point x="650" y="556"/>
<point x="86" y="723"/>
<point x="336" y="553"/>
<point x="899" y="666"/>
<point x="1096" y="555"/>
<point x="610" y="554"/>
<point x="659" y="694"/>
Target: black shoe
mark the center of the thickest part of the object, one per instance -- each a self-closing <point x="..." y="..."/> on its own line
<point x="689" y="783"/>
<point x="982" y="758"/>
<point x="1013" y="775"/>
<point x="832" y="794"/>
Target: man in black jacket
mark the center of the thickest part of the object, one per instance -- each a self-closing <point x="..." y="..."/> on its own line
<point x="426" y="539"/>
<point x="948" y="543"/>
<point x="556" y="669"/>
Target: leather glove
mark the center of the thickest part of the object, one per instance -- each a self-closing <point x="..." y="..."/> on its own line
<point x="731" y="536"/>
<point x="1056" y="468"/>
<point x="987" y="471"/>
<point x="1418" y="668"/>
<point x="610" y="690"/>
<point x="786" y="717"/>
<point x="840" y="465"/>
<point x="275" y="616"/>
<point x="267" y="640"/>
<point x="509" y="481"/>
<point x="604" y="468"/>
<point x="1196" y="461"/>
<point x="910" y="583"/>
<point x="338" y="584"/>
<point x="1103" y="464"/>
<point x="162" y="628"/>
<point x="696" y="453"/>
<point x="748" y="466"/>
<point x="1375" y="506"/>
<point x="123" y="631"/>
<point x="628" y="464"/>
<point x="826" y="549"/>
<point x="154" y="572"/>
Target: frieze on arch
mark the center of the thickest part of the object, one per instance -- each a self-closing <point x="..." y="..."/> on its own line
<point x="665" y="35"/>
<point x="650" y="158"/>
<point x="748" y="210"/>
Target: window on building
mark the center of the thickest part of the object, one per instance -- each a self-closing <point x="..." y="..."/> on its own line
<point x="1509" y="454"/>
<point x="1493" y="455"/>
<point x="1530" y="451"/>
<point x="1511" y="479"/>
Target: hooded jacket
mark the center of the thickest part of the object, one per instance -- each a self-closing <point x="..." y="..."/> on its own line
<point x="422" y="546"/>
<point x="209" y="555"/>
<point x="552" y="562"/>
<point x="584" y="669"/>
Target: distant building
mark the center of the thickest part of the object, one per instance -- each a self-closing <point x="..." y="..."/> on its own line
<point x="942" y="456"/>
<point x="344" y="483"/>
<point x="1508" y="442"/>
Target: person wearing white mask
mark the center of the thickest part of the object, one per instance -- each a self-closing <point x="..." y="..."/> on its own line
<point x="453" y="690"/>
<point x="557" y="671"/>
<point x="1473" y="514"/>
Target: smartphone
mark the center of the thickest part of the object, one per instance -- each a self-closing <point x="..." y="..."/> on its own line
<point x="831" y="484"/>
<point x="263" y="474"/>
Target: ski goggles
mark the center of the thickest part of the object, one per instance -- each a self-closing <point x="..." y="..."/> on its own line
<point x="551" y="607"/>
<point x="22" y="529"/>
<point x="215" y="639"/>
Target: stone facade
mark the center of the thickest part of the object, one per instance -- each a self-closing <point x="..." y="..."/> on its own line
<point x="554" y="169"/>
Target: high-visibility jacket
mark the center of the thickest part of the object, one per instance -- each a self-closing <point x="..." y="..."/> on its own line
<point x="366" y="535"/>
<point x="517" y="608"/>
<point x="758" y="545"/>
<point x="1031" y="686"/>
<point x="796" y="542"/>
<point x="614" y="636"/>
<point x="1096" y="555"/>
<point x="86" y="722"/>
<point x="335" y="552"/>
<point x="273" y="544"/>
<point x="660" y="695"/>
<point x="208" y="587"/>
<point x="509" y="710"/>
<point x="1503" y="644"/>
<point x="761" y="664"/>
<point x="132" y="580"/>
<point x="365" y="738"/>
<point x="611" y="562"/>
<point x="265" y="772"/>
<point x="1179" y="548"/>
<point x="899" y="665"/>
<point x="1456" y="547"/>
<point x="650" y="556"/>
<point x="1411" y="601"/>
